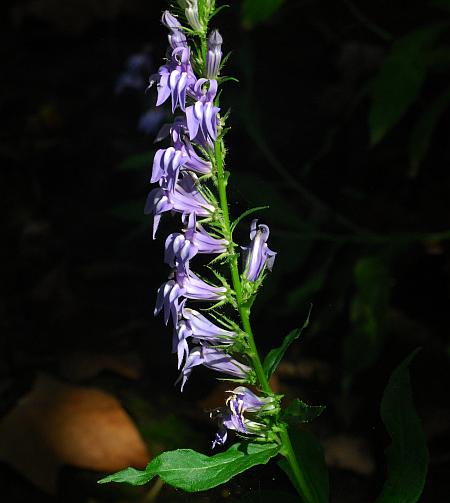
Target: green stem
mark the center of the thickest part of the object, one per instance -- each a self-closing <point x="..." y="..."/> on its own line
<point x="301" y="483"/>
<point x="244" y="312"/>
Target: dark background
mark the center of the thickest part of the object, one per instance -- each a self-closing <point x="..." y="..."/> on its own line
<point x="361" y="229"/>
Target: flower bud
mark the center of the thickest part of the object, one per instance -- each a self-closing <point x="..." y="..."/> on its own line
<point x="191" y="12"/>
<point x="170" y="21"/>
<point x="213" y="54"/>
<point x="176" y="36"/>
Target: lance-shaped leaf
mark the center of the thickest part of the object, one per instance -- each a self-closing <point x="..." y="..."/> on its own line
<point x="245" y="214"/>
<point x="399" y="81"/>
<point x="273" y="358"/>
<point x="192" y="471"/>
<point x="407" y="456"/>
<point x="300" y="412"/>
<point x="312" y="465"/>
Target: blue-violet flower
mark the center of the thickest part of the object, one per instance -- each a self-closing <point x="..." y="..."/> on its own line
<point x="257" y="256"/>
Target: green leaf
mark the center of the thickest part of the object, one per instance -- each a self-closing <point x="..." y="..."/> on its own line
<point x="257" y="11"/>
<point x="129" y="475"/>
<point x="137" y="162"/>
<point x="311" y="461"/>
<point x="407" y="456"/>
<point x="273" y="358"/>
<point x="399" y="81"/>
<point x="368" y="311"/>
<point x="245" y="214"/>
<point x="423" y="130"/>
<point x="192" y="471"/>
<point x="300" y="412"/>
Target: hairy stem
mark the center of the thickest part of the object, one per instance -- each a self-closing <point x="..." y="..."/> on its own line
<point x="244" y="312"/>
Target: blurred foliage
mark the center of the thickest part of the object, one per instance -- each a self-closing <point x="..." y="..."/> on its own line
<point x="257" y="11"/>
<point x="400" y="79"/>
<point x="407" y="456"/>
<point x="368" y="311"/>
<point x="411" y="61"/>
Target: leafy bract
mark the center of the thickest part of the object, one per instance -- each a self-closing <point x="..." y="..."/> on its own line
<point x="407" y="456"/>
<point x="273" y="358"/>
<point x="312" y="465"/>
<point x="300" y="412"/>
<point x="245" y="214"/>
<point x="192" y="471"/>
<point x="399" y="81"/>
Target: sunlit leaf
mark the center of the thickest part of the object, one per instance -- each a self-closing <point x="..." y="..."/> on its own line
<point x="274" y="356"/>
<point x="192" y="471"/>
<point x="407" y="456"/>
<point x="399" y="81"/>
<point x="311" y="461"/>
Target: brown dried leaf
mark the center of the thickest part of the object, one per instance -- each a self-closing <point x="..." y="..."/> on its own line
<point x="349" y="453"/>
<point x="58" y="424"/>
<point x="80" y="366"/>
<point x="307" y="368"/>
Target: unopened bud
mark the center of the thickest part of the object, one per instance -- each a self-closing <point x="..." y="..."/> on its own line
<point x="213" y="54"/>
<point x="191" y="12"/>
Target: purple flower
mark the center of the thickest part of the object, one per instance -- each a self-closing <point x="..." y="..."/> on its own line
<point x="232" y="416"/>
<point x="179" y="250"/>
<point x="179" y="341"/>
<point x="176" y="36"/>
<point x="184" y="199"/>
<point x="167" y="164"/>
<point x="242" y="400"/>
<point x="183" y="247"/>
<point x="200" y="329"/>
<point x="214" y="359"/>
<point x="214" y="54"/>
<point x="202" y="116"/>
<point x="257" y="255"/>
<point x="188" y="285"/>
<point x="174" y="79"/>
<point x="180" y="139"/>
